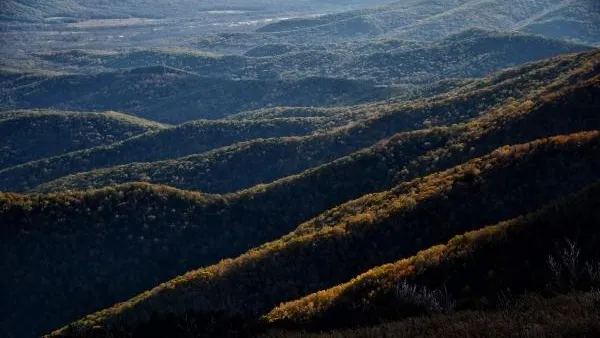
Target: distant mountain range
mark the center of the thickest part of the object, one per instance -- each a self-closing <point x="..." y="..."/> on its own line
<point x="471" y="53"/>
<point x="61" y="10"/>
<point x="430" y="19"/>
<point x="179" y="87"/>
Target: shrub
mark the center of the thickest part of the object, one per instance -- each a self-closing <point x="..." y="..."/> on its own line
<point x="429" y="301"/>
<point x="570" y="272"/>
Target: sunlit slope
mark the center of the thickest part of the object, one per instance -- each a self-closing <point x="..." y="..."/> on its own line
<point x="246" y="164"/>
<point x="475" y="267"/>
<point x="266" y="212"/>
<point x="370" y="231"/>
<point x="563" y="315"/>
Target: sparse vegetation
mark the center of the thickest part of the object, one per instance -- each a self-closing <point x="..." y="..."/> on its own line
<point x="474" y="266"/>
<point x="569" y="315"/>
<point x="570" y="272"/>
<point x="429" y="301"/>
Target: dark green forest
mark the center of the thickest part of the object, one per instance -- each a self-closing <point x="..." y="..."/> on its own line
<point x="300" y="169"/>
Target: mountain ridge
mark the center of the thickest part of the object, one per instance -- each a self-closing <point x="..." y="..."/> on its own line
<point x="379" y="122"/>
<point x="248" y="303"/>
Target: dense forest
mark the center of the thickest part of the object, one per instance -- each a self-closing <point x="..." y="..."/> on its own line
<point x="300" y="169"/>
<point x="33" y="135"/>
<point x="243" y="165"/>
<point x="367" y="232"/>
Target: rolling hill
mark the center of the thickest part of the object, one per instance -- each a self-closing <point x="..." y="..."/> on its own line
<point x="225" y="170"/>
<point x="374" y="227"/>
<point x="248" y="216"/>
<point x="188" y="138"/>
<point x="170" y="95"/>
<point x="31" y="135"/>
<point x="165" y="232"/>
<point x="473" y="266"/>
<point x="471" y="53"/>
<point x="430" y="20"/>
<point x="304" y="168"/>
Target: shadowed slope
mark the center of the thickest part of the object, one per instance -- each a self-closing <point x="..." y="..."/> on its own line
<point x="475" y="267"/>
<point x="367" y="232"/>
<point x="573" y="315"/>
<point x="249" y="216"/>
<point x="31" y="135"/>
<point x="172" y="95"/>
<point x="225" y="170"/>
<point x="188" y="138"/>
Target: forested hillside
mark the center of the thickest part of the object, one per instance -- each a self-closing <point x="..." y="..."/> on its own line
<point x="474" y="267"/>
<point x="262" y="169"/>
<point x="32" y="135"/>
<point x="366" y="232"/>
<point x="471" y="53"/>
<point x="405" y="156"/>
<point x="246" y="164"/>
<point x="148" y="92"/>
<point x="188" y="138"/>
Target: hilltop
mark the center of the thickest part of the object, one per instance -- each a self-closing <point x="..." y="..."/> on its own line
<point x="474" y="266"/>
<point x="263" y="279"/>
<point x="470" y="53"/>
<point x="226" y="169"/>
<point x="152" y="92"/>
<point x="33" y="135"/>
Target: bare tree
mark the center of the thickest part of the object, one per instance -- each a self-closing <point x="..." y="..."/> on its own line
<point x="431" y="301"/>
<point x="567" y="268"/>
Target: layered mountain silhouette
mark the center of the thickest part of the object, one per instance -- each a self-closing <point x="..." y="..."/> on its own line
<point x="299" y="169"/>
